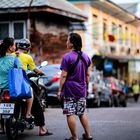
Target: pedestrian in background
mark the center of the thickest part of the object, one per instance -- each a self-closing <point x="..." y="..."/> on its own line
<point x="135" y="90"/>
<point x="73" y="85"/>
<point x="125" y="89"/>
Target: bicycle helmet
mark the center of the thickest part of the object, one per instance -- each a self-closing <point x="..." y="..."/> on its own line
<point x="23" y="44"/>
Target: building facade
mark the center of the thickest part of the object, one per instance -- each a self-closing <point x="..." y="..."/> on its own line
<point x="114" y="34"/>
<point x="45" y="22"/>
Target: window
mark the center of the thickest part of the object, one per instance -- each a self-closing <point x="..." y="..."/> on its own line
<point x="120" y="35"/>
<point x="126" y="36"/>
<point x="18" y="30"/>
<point x="4" y="30"/>
<point x="114" y="30"/>
<point x="95" y="28"/>
<point x="105" y="34"/>
<point x="14" y="29"/>
<point x="133" y="40"/>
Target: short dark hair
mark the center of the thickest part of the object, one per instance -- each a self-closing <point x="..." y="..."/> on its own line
<point x="6" y="43"/>
<point x="76" y="40"/>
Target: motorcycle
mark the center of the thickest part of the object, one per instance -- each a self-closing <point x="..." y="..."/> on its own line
<point x="39" y="88"/>
<point x="12" y="111"/>
<point x="13" y="115"/>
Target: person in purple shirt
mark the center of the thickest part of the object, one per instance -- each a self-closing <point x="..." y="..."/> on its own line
<point x="74" y="79"/>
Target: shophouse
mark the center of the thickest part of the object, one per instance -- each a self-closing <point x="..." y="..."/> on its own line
<point x="112" y="38"/>
<point x="45" y="22"/>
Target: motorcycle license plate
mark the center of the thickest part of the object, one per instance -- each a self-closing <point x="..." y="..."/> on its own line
<point x="7" y="108"/>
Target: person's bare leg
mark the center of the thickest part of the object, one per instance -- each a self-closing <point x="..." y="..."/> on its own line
<point x="29" y="106"/>
<point x="85" y="124"/>
<point x="71" y="121"/>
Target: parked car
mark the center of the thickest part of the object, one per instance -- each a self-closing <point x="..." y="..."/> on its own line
<point x="52" y="74"/>
<point x="93" y="99"/>
<point x="105" y="95"/>
<point x="99" y="93"/>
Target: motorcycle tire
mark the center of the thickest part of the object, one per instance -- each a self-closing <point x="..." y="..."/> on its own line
<point x="123" y="101"/>
<point x="11" y="128"/>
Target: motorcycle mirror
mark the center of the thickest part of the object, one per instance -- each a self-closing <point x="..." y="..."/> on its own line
<point x="44" y="63"/>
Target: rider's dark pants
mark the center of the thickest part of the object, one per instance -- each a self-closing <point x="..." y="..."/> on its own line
<point x="37" y="112"/>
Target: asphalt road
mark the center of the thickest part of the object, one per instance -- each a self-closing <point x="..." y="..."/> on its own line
<point x="106" y="124"/>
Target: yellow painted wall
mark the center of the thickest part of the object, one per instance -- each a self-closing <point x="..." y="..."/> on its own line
<point x="109" y="19"/>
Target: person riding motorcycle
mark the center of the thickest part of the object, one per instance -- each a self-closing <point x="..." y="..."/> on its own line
<point x="23" y="47"/>
<point x="7" y="47"/>
<point x="27" y="61"/>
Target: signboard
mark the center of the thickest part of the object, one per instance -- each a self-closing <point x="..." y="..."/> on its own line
<point x="108" y="66"/>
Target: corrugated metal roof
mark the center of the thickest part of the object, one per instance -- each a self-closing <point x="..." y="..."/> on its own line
<point x="62" y="5"/>
<point x="131" y="7"/>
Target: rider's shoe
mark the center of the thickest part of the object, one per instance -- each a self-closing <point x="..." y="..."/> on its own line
<point x="30" y="119"/>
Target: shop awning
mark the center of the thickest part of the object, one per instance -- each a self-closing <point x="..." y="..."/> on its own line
<point x="121" y="58"/>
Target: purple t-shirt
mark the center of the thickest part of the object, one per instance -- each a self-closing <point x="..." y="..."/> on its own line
<point x="75" y="84"/>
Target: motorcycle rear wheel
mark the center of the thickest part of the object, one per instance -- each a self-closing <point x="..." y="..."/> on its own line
<point x="12" y="128"/>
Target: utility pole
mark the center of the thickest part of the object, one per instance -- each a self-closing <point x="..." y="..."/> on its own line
<point x="28" y="20"/>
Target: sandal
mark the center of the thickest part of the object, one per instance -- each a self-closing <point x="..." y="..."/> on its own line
<point x="47" y="133"/>
<point x="85" y="137"/>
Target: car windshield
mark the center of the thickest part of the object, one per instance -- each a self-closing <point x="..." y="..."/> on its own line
<point x="51" y="69"/>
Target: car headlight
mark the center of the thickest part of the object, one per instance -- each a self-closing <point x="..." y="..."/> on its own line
<point x="91" y="96"/>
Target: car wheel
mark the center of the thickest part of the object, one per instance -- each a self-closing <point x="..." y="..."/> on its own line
<point x="98" y="103"/>
<point x="123" y="101"/>
<point x="110" y="102"/>
<point x="90" y="103"/>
